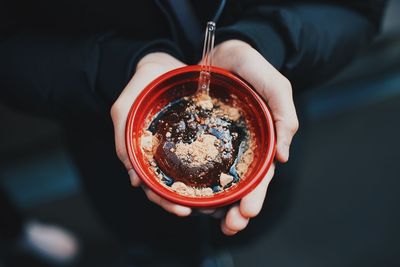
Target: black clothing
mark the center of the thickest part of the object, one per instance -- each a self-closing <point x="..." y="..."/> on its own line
<point x="159" y="238"/>
<point x="64" y="58"/>
<point x="11" y="220"/>
<point x="69" y="58"/>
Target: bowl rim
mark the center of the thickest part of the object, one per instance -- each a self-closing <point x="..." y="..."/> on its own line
<point x="200" y="202"/>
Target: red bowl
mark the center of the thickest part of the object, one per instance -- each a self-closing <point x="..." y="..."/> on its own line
<point x="183" y="82"/>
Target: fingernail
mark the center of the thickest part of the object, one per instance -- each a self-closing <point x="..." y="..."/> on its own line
<point x="229" y="232"/>
<point x="183" y="211"/>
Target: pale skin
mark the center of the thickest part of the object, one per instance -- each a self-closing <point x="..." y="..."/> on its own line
<point x="237" y="57"/>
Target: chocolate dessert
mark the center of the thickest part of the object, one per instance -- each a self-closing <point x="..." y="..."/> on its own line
<point x="198" y="146"/>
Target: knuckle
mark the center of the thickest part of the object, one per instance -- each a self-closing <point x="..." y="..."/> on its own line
<point x="238" y="45"/>
<point x="151" y="196"/>
<point x="134" y="178"/>
<point x="294" y="126"/>
<point x="228" y="232"/>
<point x="174" y="209"/>
<point x="151" y="199"/>
<point x="121" y="153"/>
<point x="114" y="111"/>
<point x="289" y="125"/>
<point x="160" y="202"/>
<point x="133" y="182"/>
<point x="251" y="213"/>
<point x="238" y="225"/>
<point x="286" y="84"/>
<point x="237" y="49"/>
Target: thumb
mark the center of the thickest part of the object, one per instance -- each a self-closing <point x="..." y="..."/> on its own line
<point x="120" y="109"/>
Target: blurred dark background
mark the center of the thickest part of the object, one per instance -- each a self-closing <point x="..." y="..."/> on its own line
<point x="351" y="141"/>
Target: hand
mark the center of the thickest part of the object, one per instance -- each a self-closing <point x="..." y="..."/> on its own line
<point x="240" y="58"/>
<point x="243" y="60"/>
<point x="149" y="67"/>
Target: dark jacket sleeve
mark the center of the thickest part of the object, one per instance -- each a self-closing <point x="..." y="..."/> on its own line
<point x="307" y="41"/>
<point x="72" y="75"/>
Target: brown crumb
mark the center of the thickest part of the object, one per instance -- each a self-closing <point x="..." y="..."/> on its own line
<point x="147" y="142"/>
<point x="200" y="192"/>
<point x="182" y="189"/>
<point x="199" y="152"/>
<point x="225" y="179"/>
<point x="245" y="161"/>
<point x="207" y="191"/>
<point x="204" y="101"/>
<point x="185" y="190"/>
<point x="226" y="110"/>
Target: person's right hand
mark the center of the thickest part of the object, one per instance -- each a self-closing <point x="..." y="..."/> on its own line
<point x="149" y="67"/>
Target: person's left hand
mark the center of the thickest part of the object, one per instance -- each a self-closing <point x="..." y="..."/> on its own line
<point x="243" y="60"/>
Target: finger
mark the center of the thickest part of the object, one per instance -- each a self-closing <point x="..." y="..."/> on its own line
<point x="234" y="220"/>
<point x="135" y="180"/>
<point x="277" y="91"/>
<point x="272" y="86"/>
<point x="251" y="204"/>
<point x="285" y="131"/>
<point x="121" y="107"/>
<point x="225" y="230"/>
<point x="176" y="209"/>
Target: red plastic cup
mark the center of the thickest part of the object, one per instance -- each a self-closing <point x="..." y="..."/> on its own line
<point x="183" y="82"/>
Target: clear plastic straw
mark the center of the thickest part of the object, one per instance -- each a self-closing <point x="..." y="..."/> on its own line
<point x="205" y="71"/>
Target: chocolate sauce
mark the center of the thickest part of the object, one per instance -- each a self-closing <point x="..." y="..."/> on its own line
<point x="182" y="123"/>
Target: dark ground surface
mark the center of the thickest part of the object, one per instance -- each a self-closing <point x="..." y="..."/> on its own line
<point x="350" y="166"/>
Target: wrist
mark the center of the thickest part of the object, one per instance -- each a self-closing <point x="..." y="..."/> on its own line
<point x="154" y="57"/>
